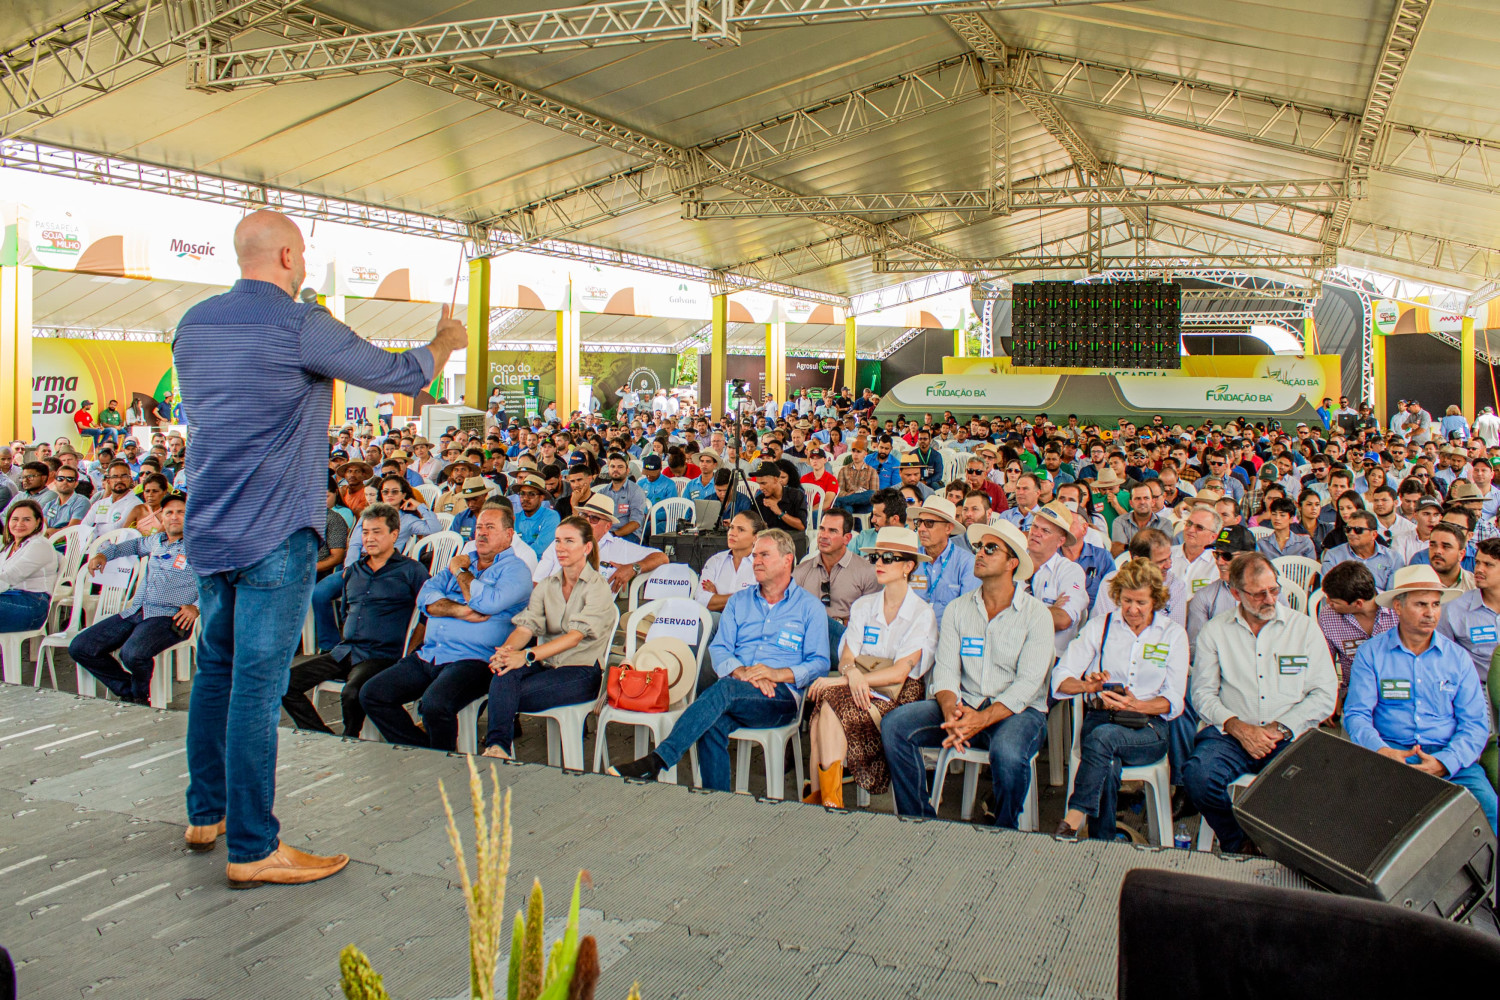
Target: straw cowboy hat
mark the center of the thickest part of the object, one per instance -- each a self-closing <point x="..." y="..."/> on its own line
<point x="902" y="541"/>
<point x="1414" y="580"/>
<point x="676" y="658"/>
<point x="1056" y="515"/>
<point x="1011" y="535"/>
<point x="940" y="507"/>
<point x="343" y="471"/>
<point x="474" y="487"/>
<point x="1107" y="480"/>
<point x="533" y="481"/>
<point x="598" y="503"/>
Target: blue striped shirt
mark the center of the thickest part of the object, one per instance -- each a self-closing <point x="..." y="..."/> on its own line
<point x="256" y="368"/>
<point x="168" y="586"/>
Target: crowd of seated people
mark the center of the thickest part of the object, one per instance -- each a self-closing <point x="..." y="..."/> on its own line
<point x="1200" y="594"/>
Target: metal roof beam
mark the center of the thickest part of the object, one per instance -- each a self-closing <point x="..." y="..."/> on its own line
<point x="1081" y="260"/>
<point x="1400" y="42"/>
<point x="619" y="22"/>
<point x="1154" y="192"/>
<point x="109" y="47"/>
<point x="907" y="292"/>
<point x="1421" y="250"/>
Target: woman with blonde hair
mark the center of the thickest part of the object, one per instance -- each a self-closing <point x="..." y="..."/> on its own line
<point x="886" y="652"/>
<point x="1133" y="663"/>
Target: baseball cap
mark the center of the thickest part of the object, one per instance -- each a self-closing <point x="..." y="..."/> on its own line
<point x="1235" y="538"/>
<point x="651" y="463"/>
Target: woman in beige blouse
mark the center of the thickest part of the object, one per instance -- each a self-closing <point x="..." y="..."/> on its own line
<point x="572" y="617"/>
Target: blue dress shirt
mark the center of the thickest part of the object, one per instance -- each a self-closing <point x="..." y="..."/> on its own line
<point x="697" y="489"/>
<point x="1399" y="699"/>
<point x="947" y="576"/>
<point x="1382" y="564"/>
<point x="259" y="454"/>
<point x="501" y="592"/>
<point x="889" y="470"/>
<point x="791" y="634"/>
<point x="536" y="530"/>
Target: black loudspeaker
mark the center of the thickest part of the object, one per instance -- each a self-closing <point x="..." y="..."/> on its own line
<point x="1360" y="824"/>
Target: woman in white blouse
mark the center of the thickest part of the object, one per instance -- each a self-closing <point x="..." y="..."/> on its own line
<point x="896" y="625"/>
<point x="1133" y="665"/>
<point x="28" y="569"/>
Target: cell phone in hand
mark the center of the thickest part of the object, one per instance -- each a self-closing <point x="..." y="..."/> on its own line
<point x="1116" y="688"/>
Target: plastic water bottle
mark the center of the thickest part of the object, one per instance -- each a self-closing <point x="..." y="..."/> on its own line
<point x="1181" y="838"/>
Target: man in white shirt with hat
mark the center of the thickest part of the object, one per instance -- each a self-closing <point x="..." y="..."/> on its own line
<point x="950" y="571"/>
<point x="1262" y="676"/>
<point x="620" y="560"/>
<point x="1057" y="581"/>
<point x="995" y="648"/>
<point x="1413" y="693"/>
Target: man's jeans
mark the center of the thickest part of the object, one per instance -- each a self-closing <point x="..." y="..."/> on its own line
<point x="1217" y="760"/>
<point x="1106" y="750"/>
<point x="440" y="690"/>
<point x="729" y="705"/>
<point x="1182" y="737"/>
<point x="325" y="596"/>
<point x="1012" y="743"/>
<point x="1478" y="783"/>
<point x="138" y="639"/>
<point x="249" y="625"/>
<point x="857" y="503"/>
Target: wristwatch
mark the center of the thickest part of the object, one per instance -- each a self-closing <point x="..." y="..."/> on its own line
<point x="1285" y="732"/>
<point x="530" y="657"/>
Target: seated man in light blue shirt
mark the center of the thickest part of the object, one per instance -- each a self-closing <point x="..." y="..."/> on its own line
<point x="702" y="488"/>
<point x="1362" y="530"/>
<point x="469" y="605"/>
<point x="771" y="645"/>
<point x="1413" y="694"/>
<point x="536" y="521"/>
<point x="657" y="488"/>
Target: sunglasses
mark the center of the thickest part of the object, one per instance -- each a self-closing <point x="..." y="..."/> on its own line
<point x="990" y="548"/>
<point x="1356" y="531"/>
<point x="882" y="557"/>
<point x="826" y="594"/>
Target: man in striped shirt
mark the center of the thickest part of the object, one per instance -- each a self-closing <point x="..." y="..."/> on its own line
<point x="259" y="451"/>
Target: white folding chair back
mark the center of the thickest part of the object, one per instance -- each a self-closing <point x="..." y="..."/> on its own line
<point x="671" y="510"/>
<point x="1157" y="777"/>
<point x="838" y="463"/>
<point x="1296" y="597"/>
<point x="1122" y="559"/>
<point x="1298" y="569"/>
<point x="428" y="492"/>
<point x="446" y="520"/>
<point x="1314" y="603"/>
<point x="681" y="483"/>
<point x="442" y="544"/>
<point x="670" y="580"/>
<point x="1260" y="531"/>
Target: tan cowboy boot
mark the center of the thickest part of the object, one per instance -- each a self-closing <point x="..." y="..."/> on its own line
<point x="831" y="784"/>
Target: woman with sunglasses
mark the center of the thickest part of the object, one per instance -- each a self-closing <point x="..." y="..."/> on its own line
<point x="1132" y="666"/>
<point x="28" y="570"/>
<point x="896" y="626"/>
<point x="1347" y="503"/>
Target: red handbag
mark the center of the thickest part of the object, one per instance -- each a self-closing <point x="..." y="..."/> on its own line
<point x="634" y="690"/>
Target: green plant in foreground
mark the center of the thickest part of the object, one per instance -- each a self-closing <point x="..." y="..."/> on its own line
<point x="569" y="973"/>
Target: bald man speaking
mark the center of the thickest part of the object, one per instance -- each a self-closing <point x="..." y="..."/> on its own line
<point x="256" y="367"/>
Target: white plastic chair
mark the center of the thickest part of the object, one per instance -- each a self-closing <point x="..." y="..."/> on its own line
<point x="681" y="483"/>
<point x="446" y="520"/>
<point x="61" y="638"/>
<point x="1261" y="531"/>
<point x="1157" y="777"/>
<point x="173" y="663"/>
<point x="109" y="601"/>
<point x="1296" y="597"/>
<point x="442" y="544"/>
<point x="1122" y="559"/>
<point x="429" y="492"/>
<point x="671" y="510"/>
<point x="94" y="547"/>
<point x="973" y="759"/>
<point x="72" y="559"/>
<point x="653" y="727"/>
<point x="772" y="743"/>
<point x="815" y="497"/>
<point x="1298" y="569"/>
<point x="662" y="583"/>
<point x="1206" y="835"/>
<point x="838" y="463"/>
<point x="1315" y="603"/>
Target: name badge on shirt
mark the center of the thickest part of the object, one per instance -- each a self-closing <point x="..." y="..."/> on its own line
<point x="971" y="645"/>
<point x="1479" y="634"/>
<point x="1156" y="651"/>
<point x="919" y="581"/>
<point x="1200" y="584"/>
<point x="789" y="640"/>
<point x="872" y="635"/>
<point x="1351" y="646"/>
<point x="180" y="561"/>
<point x="1395" y="689"/>
<point x="622" y="509"/>
<point x="1291" y="664"/>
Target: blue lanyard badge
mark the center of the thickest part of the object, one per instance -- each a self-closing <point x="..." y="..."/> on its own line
<point x="789" y="640"/>
<point x="1481" y="634"/>
<point x="1395" y="689"/>
<point x="872" y="635"/>
<point x="971" y="645"/>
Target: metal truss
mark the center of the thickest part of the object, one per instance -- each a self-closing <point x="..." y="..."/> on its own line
<point x="1423" y="251"/>
<point x="57" y="161"/>
<point x="620" y="22"/>
<point x="117" y="334"/>
<point x="1400" y="41"/>
<point x="900" y="342"/>
<point x="1482" y="295"/>
<point x="1244" y="317"/>
<point x="1080" y="261"/>
<point x="110" y="47"/>
<point x="907" y="292"/>
<point x="1234" y="284"/>
<point x="1377" y="285"/>
<point x="985" y="202"/>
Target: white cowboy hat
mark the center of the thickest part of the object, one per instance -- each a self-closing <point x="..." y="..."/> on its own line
<point x="1008" y="533"/>
<point x="676" y="658"/>
<point x="937" y="506"/>
<point x="1414" y="580"/>
<point x="902" y="541"/>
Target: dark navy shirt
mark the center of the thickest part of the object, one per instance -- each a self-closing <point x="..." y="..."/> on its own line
<point x="377" y="607"/>
<point x="256" y="369"/>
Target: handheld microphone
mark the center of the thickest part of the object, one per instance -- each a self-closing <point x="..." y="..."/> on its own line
<point x="309" y="296"/>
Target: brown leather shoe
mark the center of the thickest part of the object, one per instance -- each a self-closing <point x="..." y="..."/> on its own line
<point x="203" y="838"/>
<point x="284" y="866"/>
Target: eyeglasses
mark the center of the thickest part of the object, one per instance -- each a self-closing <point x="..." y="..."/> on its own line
<point x="927" y="522"/>
<point x="1262" y="595"/>
<point x="883" y="557"/>
<point x="990" y="548"/>
<point x="1223" y="556"/>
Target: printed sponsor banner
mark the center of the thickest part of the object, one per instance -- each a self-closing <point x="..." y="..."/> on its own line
<point x="67" y="372"/>
<point x="645" y="373"/>
<point x="814" y="375"/>
<point x="1314" y="375"/>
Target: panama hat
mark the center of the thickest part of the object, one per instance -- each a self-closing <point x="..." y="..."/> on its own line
<point x="1412" y="580"/>
<point x="598" y="503"/>
<point x="902" y="541"/>
<point x="1008" y="533"/>
<point x="676" y="658"/>
<point x="474" y="487"/>
<point x="1057" y="515"/>
<point x="937" y="506"/>
<point x="1106" y="479"/>
<point x="909" y="460"/>
<point x="1462" y="492"/>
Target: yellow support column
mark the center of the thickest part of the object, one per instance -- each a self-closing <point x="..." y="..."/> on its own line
<point x="718" y="351"/>
<point x="15" y="353"/>
<point x="477" y="357"/>
<point x="1466" y="372"/>
<point x="1377" y="350"/>
<point x="776" y="359"/>
<point x="851" y="360"/>
<point x="960" y="343"/>
<point x="568" y="344"/>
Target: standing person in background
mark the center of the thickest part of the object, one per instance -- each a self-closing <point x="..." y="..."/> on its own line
<point x="385" y="410"/>
<point x="253" y="519"/>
